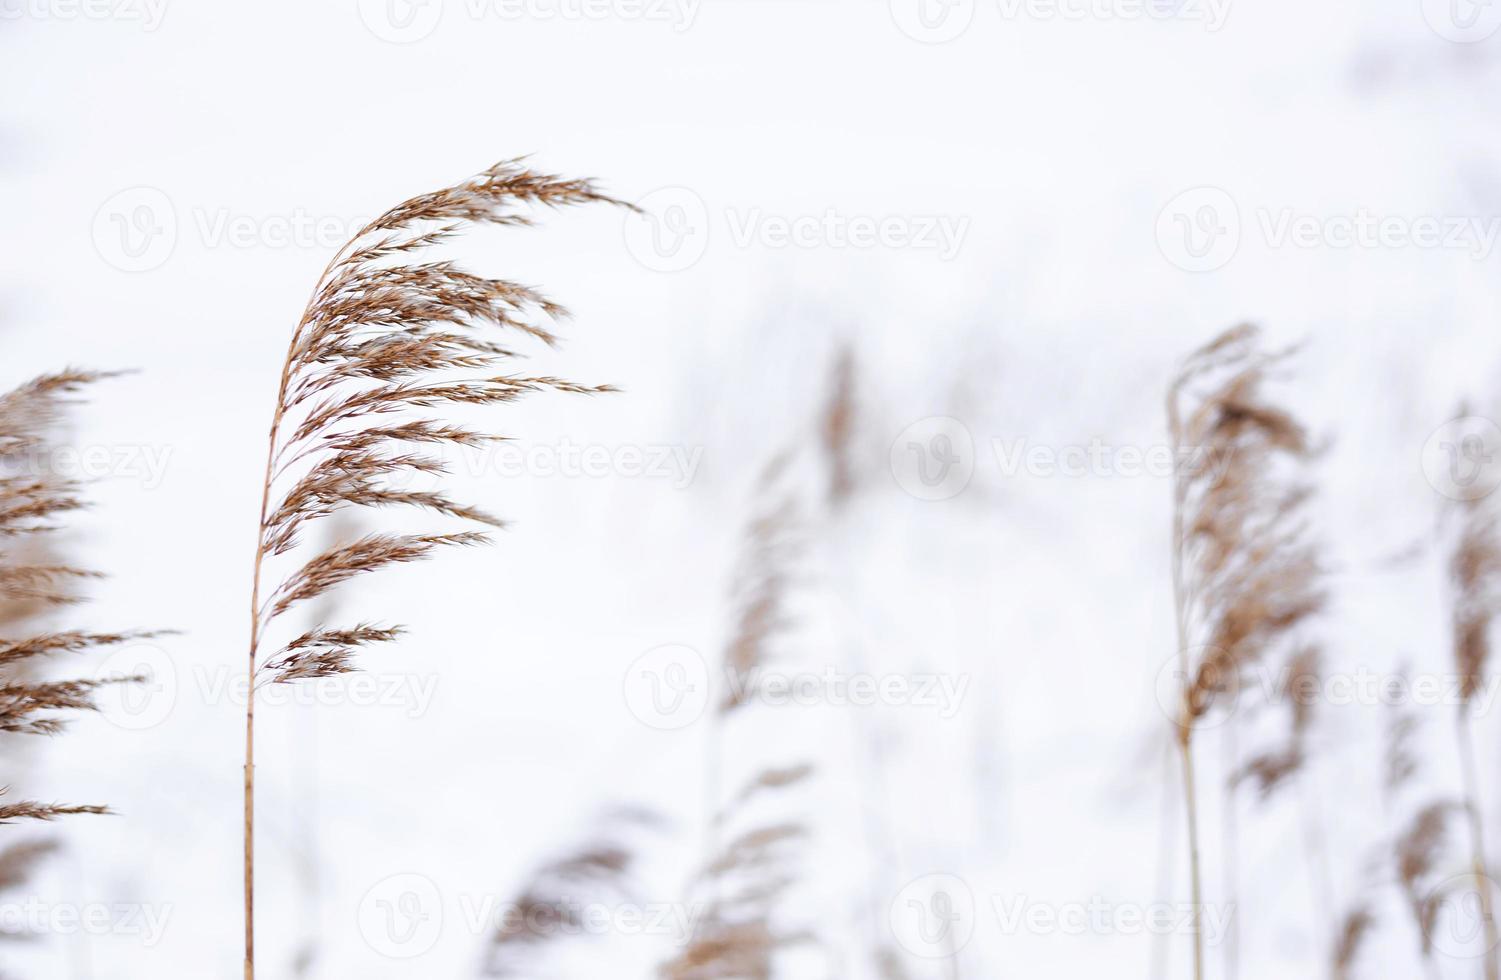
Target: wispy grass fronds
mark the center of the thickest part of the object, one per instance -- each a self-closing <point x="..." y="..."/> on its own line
<point x="34" y="499"/>
<point x="772" y="546"/>
<point x="1244" y="574"/>
<point x="547" y="908"/>
<point x="773" y="541"/>
<point x="738" y="935"/>
<point x="837" y="429"/>
<point x="32" y="810"/>
<point x="18" y="863"/>
<point x="1475" y="576"/>
<point x="1399" y="757"/>
<point x="1416" y="854"/>
<point x="1357" y="926"/>
<point x="385" y="346"/>
<point x="1271" y="770"/>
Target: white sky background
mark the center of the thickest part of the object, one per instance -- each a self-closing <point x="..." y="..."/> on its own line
<point x="1057" y="142"/>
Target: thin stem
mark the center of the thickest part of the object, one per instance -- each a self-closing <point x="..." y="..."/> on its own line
<point x="1477" y="839"/>
<point x="1166" y="863"/>
<point x="1185" y="750"/>
<point x="257" y="622"/>
<point x="1231" y="851"/>
<point x="255" y="641"/>
<point x="1185" y="723"/>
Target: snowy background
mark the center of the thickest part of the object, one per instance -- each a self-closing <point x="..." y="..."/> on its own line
<point x="1019" y="216"/>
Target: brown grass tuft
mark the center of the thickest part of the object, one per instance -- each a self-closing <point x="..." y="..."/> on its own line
<point x="737" y="936"/>
<point x="386" y="341"/>
<point x="33" y="498"/>
<point x="1244" y="577"/>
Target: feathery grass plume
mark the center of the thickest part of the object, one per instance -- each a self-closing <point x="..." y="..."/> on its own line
<point x="839" y="425"/>
<point x="1357" y="925"/>
<point x="1417" y="847"/>
<point x="549" y="906"/>
<point x="773" y="542"/>
<point x="1416" y="853"/>
<point x="1243" y="576"/>
<point x="737" y="937"/>
<point x="18" y="862"/>
<point x="1273" y="769"/>
<point x="33" y="500"/>
<point x="385" y="343"/>
<point x="1400" y="761"/>
<point x="1277" y="768"/>
<point x="837" y="428"/>
<point x="1475" y="575"/>
<point x="890" y="966"/>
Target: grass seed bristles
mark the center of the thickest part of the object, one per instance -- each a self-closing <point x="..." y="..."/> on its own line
<point x="1475" y="574"/>
<point x="549" y="906"/>
<point x="1416" y="854"/>
<point x="1243" y="576"/>
<point x="385" y="345"/>
<point x="33" y="497"/>
<point x="744" y="881"/>
<point x="1358" y="925"/>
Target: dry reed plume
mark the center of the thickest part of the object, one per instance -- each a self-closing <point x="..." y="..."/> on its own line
<point x="33" y="501"/>
<point x="743" y="883"/>
<point x="773" y="542"/>
<point x="548" y="908"/>
<point x="1243" y="576"/>
<point x="740" y="881"/>
<point x="1475" y="574"/>
<point x="385" y="343"/>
